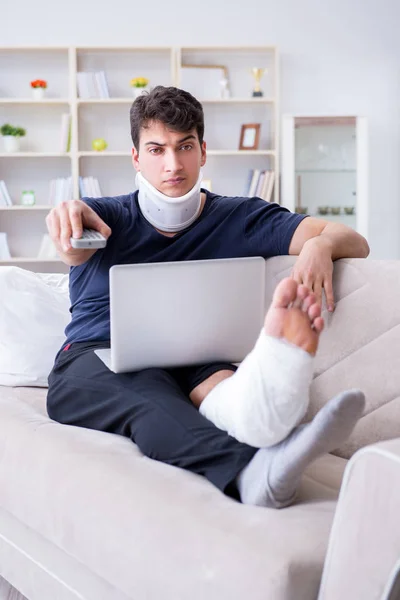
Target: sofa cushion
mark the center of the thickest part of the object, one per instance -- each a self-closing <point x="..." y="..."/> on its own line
<point x="34" y="311"/>
<point x="153" y="530"/>
<point x="360" y="346"/>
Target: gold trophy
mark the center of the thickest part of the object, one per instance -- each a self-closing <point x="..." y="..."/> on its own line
<point x="257" y="74"/>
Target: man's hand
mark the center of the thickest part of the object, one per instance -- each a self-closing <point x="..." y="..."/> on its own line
<point x="68" y="220"/>
<point x="317" y="243"/>
<point x="314" y="268"/>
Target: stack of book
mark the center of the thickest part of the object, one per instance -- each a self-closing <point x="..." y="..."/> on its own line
<point x="5" y="198"/>
<point x="260" y="183"/>
<point x="89" y="187"/>
<point x="60" y="190"/>
<point x="65" y="138"/>
<point x="92" y="84"/>
<point x="4" y="249"/>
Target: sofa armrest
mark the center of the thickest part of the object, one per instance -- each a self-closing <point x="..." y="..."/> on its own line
<point x="363" y="554"/>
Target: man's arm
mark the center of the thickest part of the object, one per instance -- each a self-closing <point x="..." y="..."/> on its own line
<point x="343" y="241"/>
<point x="317" y="243"/>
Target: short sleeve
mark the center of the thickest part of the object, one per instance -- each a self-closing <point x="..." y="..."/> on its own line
<point x="108" y="209"/>
<point x="269" y="227"/>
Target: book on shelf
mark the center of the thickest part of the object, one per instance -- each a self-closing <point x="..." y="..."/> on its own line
<point x="4" y="249"/>
<point x="268" y="186"/>
<point x="252" y="183"/>
<point x="60" y="190"/>
<point x="260" y="183"/>
<point x="65" y="138"/>
<point x="47" y="248"/>
<point x="92" y="84"/>
<point x="248" y="183"/>
<point x="5" y="198"/>
<point x="89" y="187"/>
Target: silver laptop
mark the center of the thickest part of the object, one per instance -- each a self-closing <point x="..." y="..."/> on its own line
<point x="184" y="313"/>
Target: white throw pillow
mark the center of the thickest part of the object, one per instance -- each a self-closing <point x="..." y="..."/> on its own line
<point x="34" y="311"/>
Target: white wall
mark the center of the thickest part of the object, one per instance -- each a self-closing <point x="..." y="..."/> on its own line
<point x="336" y="57"/>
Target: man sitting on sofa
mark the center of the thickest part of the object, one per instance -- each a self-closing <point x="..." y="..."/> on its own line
<point x="237" y="427"/>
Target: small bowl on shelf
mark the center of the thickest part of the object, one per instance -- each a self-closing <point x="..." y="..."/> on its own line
<point x="323" y="210"/>
<point x="335" y="210"/>
<point x="349" y="210"/>
<point x="301" y="210"/>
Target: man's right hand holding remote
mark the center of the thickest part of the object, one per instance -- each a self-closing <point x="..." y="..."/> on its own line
<point x="67" y="220"/>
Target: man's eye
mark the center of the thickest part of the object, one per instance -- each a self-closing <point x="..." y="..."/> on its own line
<point x="155" y="150"/>
<point x="186" y="147"/>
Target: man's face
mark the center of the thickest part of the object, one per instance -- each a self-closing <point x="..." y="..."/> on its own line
<point x="169" y="160"/>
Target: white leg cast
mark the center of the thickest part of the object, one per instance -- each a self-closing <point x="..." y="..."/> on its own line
<point x="267" y="396"/>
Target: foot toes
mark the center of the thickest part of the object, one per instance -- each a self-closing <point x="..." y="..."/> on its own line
<point x="285" y="293"/>
<point x="314" y="311"/>
<point x="309" y="300"/>
<point x="295" y="315"/>
<point x="302" y="293"/>
<point x="318" y="324"/>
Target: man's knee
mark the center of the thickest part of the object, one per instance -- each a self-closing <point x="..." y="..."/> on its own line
<point x="198" y="394"/>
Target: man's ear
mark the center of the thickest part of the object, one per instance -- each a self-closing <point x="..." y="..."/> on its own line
<point x="203" y="154"/>
<point x="135" y="158"/>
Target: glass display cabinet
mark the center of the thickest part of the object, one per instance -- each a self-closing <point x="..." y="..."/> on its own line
<point x="325" y="168"/>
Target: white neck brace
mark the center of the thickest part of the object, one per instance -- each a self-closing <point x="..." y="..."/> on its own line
<point x="165" y="213"/>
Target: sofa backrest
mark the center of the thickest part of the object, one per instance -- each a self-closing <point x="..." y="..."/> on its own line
<point x="360" y="346"/>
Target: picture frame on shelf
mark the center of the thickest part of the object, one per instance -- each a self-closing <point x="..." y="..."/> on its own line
<point x="250" y="136"/>
<point x="211" y="83"/>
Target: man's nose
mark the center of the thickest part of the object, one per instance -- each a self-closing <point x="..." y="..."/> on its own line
<point x="172" y="162"/>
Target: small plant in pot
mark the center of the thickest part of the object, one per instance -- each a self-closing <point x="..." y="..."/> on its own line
<point x="11" y="136"/>
<point x="38" y="88"/>
<point x="139" y="84"/>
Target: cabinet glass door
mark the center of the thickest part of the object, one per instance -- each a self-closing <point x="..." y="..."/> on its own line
<point x="324" y="168"/>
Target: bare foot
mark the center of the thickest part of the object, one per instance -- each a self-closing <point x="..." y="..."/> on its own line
<point x="295" y="315"/>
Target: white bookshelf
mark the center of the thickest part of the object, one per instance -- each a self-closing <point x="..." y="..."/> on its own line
<point x="40" y="160"/>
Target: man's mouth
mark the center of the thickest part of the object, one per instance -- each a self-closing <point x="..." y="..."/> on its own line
<point x="175" y="180"/>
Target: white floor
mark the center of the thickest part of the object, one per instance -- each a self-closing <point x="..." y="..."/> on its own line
<point x="7" y="592"/>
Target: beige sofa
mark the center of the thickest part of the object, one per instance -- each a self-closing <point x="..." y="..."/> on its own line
<point x="83" y="515"/>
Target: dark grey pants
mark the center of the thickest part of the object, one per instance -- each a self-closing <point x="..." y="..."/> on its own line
<point x="151" y="407"/>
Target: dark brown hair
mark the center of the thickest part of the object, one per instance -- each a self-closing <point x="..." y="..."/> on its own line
<point x="177" y="109"/>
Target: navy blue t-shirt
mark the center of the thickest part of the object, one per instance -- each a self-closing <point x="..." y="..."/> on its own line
<point x="227" y="228"/>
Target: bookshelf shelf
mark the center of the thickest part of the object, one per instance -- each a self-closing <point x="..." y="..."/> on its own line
<point x="103" y="112"/>
<point x="16" y="260"/>
<point x="202" y="100"/>
<point x="105" y="153"/>
<point x="241" y="152"/>
<point x="27" y="208"/>
<point x="35" y="155"/>
<point x="105" y="101"/>
<point x="33" y="101"/>
<point x="237" y="100"/>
